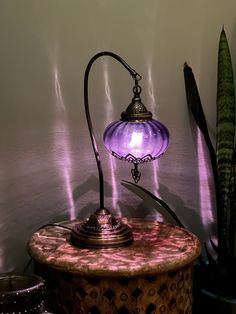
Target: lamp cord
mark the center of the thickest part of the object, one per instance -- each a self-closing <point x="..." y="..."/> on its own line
<point x="136" y="77"/>
<point x="43" y="226"/>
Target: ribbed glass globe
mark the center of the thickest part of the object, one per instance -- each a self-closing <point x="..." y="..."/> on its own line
<point x="136" y="142"/>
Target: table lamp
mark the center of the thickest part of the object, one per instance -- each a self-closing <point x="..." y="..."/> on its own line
<point x="136" y="138"/>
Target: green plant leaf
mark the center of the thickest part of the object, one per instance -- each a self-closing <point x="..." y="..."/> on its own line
<point x="232" y="200"/>
<point x="195" y="106"/>
<point x="194" y="101"/>
<point x="225" y="133"/>
<point x="164" y="209"/>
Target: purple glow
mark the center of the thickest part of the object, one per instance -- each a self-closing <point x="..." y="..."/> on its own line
<point x="205" y="174"/>
<point x="109" y="112"/>
<point x="61" y="143"/>
<point x="140" y="139"/>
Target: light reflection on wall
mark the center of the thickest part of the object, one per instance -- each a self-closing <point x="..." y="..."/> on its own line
<point x="109" y="118"/>
<point x="61" y="143"/>
<point x="152" y="104"/>
<point x="204" y="188"/>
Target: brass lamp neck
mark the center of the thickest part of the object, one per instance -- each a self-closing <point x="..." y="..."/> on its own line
<point x="136" y="111"/>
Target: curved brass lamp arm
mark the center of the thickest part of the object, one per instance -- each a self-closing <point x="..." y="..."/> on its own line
<point x="136" y="77"/>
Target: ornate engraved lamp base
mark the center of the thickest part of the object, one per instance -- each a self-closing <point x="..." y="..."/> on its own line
<point x="100" y="231"/>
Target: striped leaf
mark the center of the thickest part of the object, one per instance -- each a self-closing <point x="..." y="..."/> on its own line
<point x="224" y="138"/>
<point x="232" y="200"/>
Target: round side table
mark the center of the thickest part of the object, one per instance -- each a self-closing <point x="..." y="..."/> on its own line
<point x="152" y="275"/>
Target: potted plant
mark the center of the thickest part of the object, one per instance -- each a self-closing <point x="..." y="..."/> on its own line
<point x="215" y="280"/>
<point x="217" y="277"/>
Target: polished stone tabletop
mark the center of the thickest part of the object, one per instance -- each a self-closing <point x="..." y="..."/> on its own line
<point x="157" y="248"/>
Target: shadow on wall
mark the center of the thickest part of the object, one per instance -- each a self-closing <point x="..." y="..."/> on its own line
<point x="13" y="252"/>
<point x="190" y="218"/>
<point x="92" y="184"/>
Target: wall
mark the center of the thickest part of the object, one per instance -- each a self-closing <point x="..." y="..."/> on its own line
<point x="47" y="167"/>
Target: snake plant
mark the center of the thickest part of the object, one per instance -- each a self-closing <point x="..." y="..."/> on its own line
<point x="223" y="158"/>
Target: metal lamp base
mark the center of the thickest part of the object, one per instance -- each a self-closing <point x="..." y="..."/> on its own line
<point x="100" y="231"/>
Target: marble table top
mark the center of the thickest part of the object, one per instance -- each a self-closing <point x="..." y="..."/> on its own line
<point x="157" y="248"/>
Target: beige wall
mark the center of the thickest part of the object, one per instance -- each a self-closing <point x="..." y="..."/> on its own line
<point x="47" y="169"/>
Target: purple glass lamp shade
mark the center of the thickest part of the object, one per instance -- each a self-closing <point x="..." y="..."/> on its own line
<point x="136" y="142"/>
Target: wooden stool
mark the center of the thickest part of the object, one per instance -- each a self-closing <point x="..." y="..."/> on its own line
<point x="152" y="275"/>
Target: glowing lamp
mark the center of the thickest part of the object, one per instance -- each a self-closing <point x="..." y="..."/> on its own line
<point x="136" y="141"/>
<point x="136" y="138"/>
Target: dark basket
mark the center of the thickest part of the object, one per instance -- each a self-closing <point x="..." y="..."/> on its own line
<point x="20" y="293"/>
